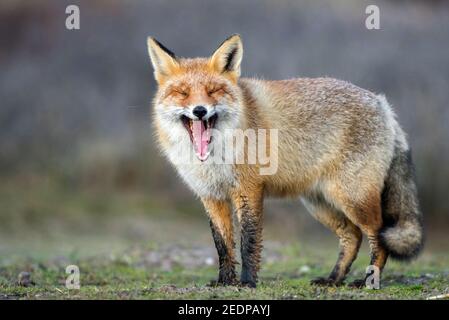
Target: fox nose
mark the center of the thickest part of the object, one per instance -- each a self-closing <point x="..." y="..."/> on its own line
<point x="199" y="111"/>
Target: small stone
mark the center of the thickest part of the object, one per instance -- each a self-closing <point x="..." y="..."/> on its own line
<point x="25" y="279"/>
<point x="304" y="269"/>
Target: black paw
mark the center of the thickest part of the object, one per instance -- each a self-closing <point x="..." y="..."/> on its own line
<point x="248" y="279"/>
<point x="357" y="284"/>
<point x="325" y="282"/>
<point x="248" y="284"/>
<point x="223" y="282"/>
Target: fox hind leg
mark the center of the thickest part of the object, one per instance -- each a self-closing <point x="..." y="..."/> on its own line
<point x="350" y="238"/>
<point x="379" y="256"/>
<point x="367" y="215"/>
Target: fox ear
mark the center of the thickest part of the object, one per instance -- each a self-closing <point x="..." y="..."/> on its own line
<point x="163" y="60"/>
<point x="228" y="56"/>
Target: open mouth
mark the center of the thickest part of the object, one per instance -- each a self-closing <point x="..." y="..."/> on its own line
<point x="200" y="134"/>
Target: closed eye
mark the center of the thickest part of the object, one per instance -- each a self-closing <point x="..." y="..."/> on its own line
<point x="181" y="93"/>
<point x="213" y="91"/>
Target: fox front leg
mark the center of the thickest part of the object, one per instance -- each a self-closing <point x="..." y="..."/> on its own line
<point x="220" y="218"/>
<point x="249" y="212"/>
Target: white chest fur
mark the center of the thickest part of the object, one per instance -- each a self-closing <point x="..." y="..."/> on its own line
<point x="208" y="180"/>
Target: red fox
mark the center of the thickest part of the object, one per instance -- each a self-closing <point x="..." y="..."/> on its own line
<point x="339" y="148"/>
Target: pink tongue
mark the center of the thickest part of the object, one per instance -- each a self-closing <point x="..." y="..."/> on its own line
<point x="200" y="139"/>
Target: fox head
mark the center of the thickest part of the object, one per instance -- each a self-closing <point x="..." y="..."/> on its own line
<point x="196" y="97"/>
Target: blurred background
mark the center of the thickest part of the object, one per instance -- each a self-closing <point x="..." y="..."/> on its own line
<point x="79" y="169"/>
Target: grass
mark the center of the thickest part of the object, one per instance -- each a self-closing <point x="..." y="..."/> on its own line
<point x="159" y="273"/>
<point x="138" y="255"/>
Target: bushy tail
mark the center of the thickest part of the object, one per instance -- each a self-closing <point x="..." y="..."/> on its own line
<point x="402" y="233"/>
